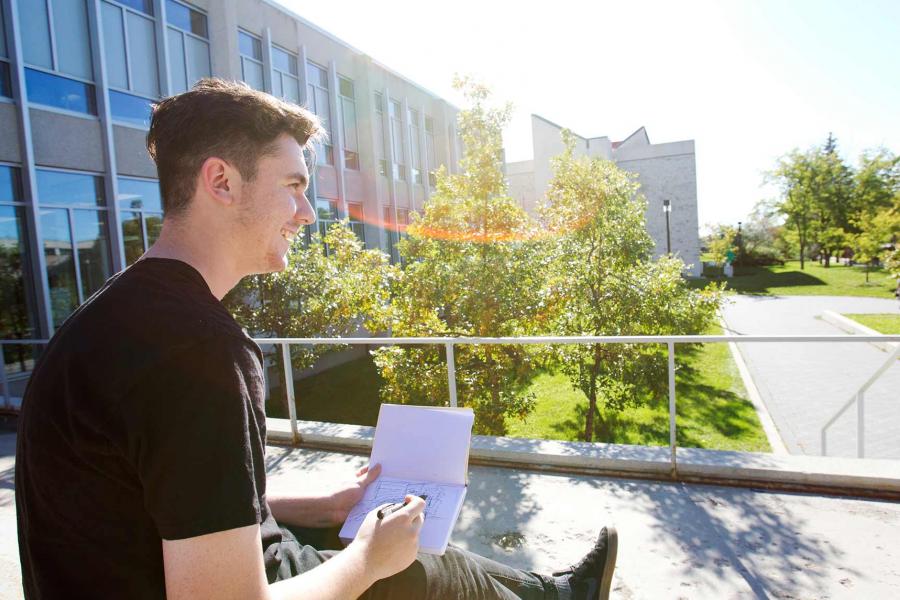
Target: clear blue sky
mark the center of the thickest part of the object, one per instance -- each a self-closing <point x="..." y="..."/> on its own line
<point x="747" y="80"/>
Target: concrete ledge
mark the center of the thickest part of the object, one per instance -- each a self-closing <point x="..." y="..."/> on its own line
<point x="828" y="475"/>
<point x="851" y="326"/>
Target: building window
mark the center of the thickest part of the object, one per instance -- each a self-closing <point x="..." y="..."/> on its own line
<point x="357" y="224"/>
<point x="75" y="240"/>
<point x="5" y="82"/>
<point x="390" y="232"/>
<point x="188" y="38"/>
<point x="285" y="77"/>
<point x="415" y="154"/>
<point x="381" y="147"/>
<point x="56" y="47"/>
<point x="326" y="216"/>
<point x="430" y="155"/>
<point x="317" y="97"/>
<point x="129" y="41"/>
<point x="17" y="298"/>
<point x="348" y="121"/>
<point x="126" y="108"/>
<point x="399" y="159"/>
<point x="251" y="60"/>
<point x="60" y="92"/>
<point x="140" y="215"/>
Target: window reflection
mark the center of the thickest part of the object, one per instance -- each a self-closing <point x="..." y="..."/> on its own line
<point x="92" y="242"/>
<point x="60" y="92"/>
<point x="59" y="258"/>
<point x="16" y="295"/>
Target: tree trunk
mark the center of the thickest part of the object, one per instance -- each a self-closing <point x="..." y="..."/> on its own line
<point x="867" y="271"/>
<point x="589" y="420"/>
<point x="827" y="259"/>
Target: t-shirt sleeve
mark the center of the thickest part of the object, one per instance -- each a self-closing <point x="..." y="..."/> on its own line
<point x="194" y="443"/>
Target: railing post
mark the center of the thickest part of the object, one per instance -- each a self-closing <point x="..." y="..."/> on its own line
<point x="289" y="389"/>
<point x="861" y="424"/>
<point x="7" y="396"/>
<point x="672" y="442"/>
<point x="451" y="374"/>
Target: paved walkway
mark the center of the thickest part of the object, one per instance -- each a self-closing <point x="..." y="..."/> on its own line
<point x="804" y="385"/>
<point x="676" y="541"/>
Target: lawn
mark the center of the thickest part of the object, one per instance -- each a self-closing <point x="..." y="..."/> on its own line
<point x="887" y="324"/>
<point x="813" y="280"/>
<point x="713" y="411"/>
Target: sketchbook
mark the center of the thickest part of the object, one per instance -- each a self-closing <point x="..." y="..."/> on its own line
<point x="422" y="450"/>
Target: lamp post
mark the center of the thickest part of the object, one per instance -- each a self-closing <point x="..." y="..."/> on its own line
<point x="667" y="208"/>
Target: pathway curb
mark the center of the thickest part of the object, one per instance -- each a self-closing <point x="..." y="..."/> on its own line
<point x="851" y="326"/>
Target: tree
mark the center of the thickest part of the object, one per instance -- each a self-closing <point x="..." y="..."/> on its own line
<point x="603" y="282"/>
<point x="720" y="242"/>
<point x="319" y="294"/>
<point x="472" y="269"/>
<point x="794" y="175"/>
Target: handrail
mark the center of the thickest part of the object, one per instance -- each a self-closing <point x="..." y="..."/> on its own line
<point x="859" y="398"/>
<point x="450" y="342"/>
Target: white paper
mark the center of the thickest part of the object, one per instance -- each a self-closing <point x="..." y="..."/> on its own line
<point x="442" y="506"/>
<point x="423" y="443"/>
<point x="423" y="451"/>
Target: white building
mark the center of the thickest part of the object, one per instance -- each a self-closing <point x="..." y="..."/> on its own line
<point x="665" y="171"/>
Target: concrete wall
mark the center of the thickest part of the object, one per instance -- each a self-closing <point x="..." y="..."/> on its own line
<point x="131" y="152"/>
<point x="9" y="141"/>
<point x="665" y="171"/>
<point x="671" y="177"/>
<point x="65" y="141"/>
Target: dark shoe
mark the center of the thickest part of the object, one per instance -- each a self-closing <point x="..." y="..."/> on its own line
<point x="591" y="578"/>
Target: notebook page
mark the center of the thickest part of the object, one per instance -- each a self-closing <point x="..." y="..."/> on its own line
<point x="442" y="506"/>
<point x="420" y="443"/>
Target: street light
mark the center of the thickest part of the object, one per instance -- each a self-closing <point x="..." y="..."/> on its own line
<point x="667" y="208"/>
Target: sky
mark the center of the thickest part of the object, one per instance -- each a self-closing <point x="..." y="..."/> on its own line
<point x="747" y="80"/>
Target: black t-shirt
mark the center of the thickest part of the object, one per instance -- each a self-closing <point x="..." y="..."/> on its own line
<point x="143" y="421"/>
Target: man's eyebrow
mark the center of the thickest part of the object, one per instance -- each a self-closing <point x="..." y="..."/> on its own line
<point x="301" y="177"/>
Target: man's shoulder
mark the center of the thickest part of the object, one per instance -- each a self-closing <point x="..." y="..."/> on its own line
<point x="144" y="316"/>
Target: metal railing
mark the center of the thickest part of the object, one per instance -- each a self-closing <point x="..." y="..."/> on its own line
<point x="860" y="400"/>
<point x="450" y="344"/>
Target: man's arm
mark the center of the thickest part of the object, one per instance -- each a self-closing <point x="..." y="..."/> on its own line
<point x="229" y="564"/>
<point x="321" y="510"/>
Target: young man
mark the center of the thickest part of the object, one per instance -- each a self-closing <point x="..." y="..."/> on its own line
<point x="140" y="463"/>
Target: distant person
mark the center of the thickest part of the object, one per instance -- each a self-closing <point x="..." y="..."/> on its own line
<point x="140" y="467"/>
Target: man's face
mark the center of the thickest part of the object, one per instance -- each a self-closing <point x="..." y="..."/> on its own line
<point x="273" y="208"/>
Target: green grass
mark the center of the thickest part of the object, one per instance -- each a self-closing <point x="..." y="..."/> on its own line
<point x="882" y="323"/>
<point x="813" y="280"/>
<point x="713" y="411"/>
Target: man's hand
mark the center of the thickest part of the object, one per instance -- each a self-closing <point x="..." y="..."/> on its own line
<point x="390" y="545"/>
<point x="347" y="496"/>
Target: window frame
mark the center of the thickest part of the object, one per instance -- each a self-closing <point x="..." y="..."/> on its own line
<point x="286" y="75"/>
<point x="328" y="147"/>
<point x="142" y="213"/>
<point x="351" y="155"/>
<point x="103" y="211"/>
<point x="169" y="26"/>
<point x="31" y="300"/>
<point x="258" y="44"/>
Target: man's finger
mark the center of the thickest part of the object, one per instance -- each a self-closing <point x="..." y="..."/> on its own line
<point x="371" y="474"/>
<point x="415" y="506"/>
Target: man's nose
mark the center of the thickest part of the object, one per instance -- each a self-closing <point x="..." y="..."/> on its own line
<point x="305" y="213"/>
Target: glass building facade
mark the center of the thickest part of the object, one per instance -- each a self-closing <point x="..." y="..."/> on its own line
<point x="79" y="198"/>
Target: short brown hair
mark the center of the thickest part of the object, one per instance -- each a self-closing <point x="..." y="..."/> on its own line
<point x="219" y="118"/>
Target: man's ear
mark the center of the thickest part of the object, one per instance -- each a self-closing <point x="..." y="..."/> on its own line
<point x="220" y="181"/>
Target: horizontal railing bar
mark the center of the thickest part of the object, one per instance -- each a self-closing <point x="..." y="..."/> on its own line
<point x="607" y="339"/>
<point x="585" y="339"/>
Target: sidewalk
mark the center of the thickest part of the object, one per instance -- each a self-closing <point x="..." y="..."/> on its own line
<point x="804" y="384"/>
<point x="676" y="541"/>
